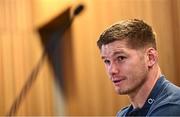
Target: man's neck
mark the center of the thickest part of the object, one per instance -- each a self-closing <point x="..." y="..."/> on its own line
<point x="139" y="97"/>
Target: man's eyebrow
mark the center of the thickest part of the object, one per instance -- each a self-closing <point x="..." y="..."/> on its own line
<point x="115" y="53"/>
<point x="118" y="52"/>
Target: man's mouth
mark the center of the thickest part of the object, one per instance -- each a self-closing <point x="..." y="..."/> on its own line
<point x="117" y="82"/>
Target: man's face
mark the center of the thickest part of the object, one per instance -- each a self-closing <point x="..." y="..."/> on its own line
<point x="126" y="67"/>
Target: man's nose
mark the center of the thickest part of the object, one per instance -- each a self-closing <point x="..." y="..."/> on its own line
<point x="113" y="69"/>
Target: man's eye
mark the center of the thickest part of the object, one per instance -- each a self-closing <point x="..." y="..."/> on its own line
<point x="106" y="61"/>
<point x="121" y="58"/>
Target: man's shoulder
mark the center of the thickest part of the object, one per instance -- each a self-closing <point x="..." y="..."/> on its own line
<point x="167" y="109"/>
<point x="167" y="102"/>
<point x="123" y="111"/>
<point x="170" y="93"/>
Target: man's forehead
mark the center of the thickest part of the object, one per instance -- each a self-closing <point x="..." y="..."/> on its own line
<point x="116" y="45"/>
<point x="107" y="51"/>
<point x="118" y="42"/>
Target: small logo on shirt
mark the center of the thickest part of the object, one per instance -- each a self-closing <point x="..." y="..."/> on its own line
<point x="150" y="100"/>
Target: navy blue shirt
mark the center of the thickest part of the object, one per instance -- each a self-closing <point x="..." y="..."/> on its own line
<point x="164" y="100"/>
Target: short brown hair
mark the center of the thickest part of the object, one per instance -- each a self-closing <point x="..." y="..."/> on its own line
<point x="137" y="33"/>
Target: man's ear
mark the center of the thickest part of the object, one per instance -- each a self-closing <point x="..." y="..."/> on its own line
<point x="152" y="57"/>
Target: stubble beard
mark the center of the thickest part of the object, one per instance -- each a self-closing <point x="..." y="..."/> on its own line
<point x="137" y="84"/>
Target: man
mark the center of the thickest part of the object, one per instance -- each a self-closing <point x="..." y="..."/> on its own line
<point x="128" y="49"/>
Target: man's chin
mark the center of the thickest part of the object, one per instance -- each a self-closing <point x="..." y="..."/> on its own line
<point x="121" y="92"/>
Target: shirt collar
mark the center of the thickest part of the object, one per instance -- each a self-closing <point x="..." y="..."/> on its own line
<point x="150" y="100"/>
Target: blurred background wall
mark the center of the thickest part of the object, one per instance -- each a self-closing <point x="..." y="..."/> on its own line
<point x="87" y="88"/>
